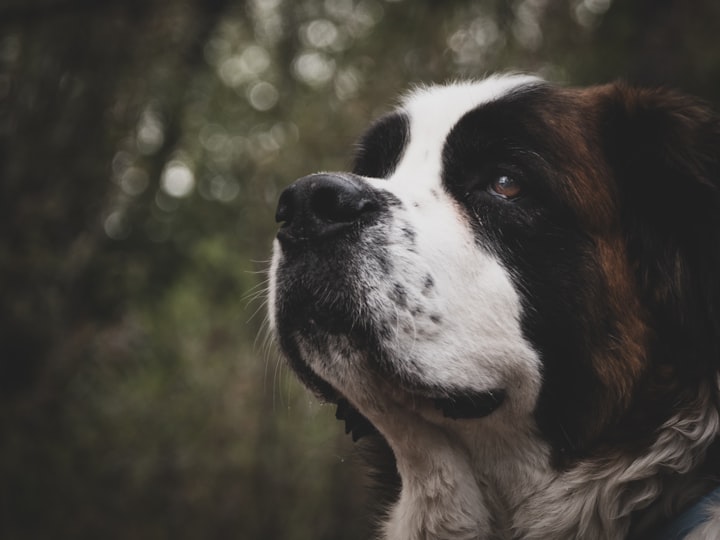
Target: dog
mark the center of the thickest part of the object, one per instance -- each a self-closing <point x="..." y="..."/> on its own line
<point x="516" y="293"/>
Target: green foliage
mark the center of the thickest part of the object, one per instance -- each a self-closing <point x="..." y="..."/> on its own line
<point x="142" y="148"/>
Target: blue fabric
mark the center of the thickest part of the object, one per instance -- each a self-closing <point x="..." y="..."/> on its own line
<point x="692" y="517"/>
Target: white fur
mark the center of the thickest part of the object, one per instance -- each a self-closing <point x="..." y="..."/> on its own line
<point x="710" y="530"/>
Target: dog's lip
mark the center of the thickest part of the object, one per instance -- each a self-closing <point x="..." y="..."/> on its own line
<point x="466" y="405"/>
<point x="461" y="406"/>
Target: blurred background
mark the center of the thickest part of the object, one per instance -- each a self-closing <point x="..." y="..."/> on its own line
<point x="143" y="144"/>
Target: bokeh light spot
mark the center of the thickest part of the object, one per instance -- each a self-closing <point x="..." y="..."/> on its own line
<point x="347" y="83"/>
<point x="314" y="68"/>
<point x="177" y="179"/>
<point x="254" y="60"/>
<point x="231" y="72"/>
<point x="121" y="161"/>
<point x="134" y="181"/>
<point x="589" y="12"/>
<point x="117" y="226"/>
<point x="150" y="133"/>
<point x="320" y="33"/>
<point x="224" y="189"/>
<point x="598" y="7"/>
<point x="263" y="96"/>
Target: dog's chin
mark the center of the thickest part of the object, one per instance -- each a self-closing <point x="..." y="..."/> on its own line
<point x="379" y="380"/>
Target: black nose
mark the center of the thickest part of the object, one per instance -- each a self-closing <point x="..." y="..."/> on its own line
<point x="322" y="204"/>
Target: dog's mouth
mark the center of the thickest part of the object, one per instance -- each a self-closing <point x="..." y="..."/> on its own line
<point x="460" y="404"/>
<point x="466" y="405"/>
<point x="454" y="404"/>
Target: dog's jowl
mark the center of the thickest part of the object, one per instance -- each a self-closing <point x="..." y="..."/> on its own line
<point x="515" y="291"/>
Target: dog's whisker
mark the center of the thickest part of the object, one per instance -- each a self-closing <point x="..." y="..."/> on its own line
<point x="258" y="310"/>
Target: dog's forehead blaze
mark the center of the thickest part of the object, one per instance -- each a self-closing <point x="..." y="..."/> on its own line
<point x="432" y="113"/>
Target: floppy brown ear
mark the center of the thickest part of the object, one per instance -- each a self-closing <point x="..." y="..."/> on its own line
<point x="665" y="150"/>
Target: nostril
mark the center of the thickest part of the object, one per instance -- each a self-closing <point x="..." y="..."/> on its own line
<point x="325" y="203"/>
<point x="334" y="205"/>
<point x="284" y="210"/>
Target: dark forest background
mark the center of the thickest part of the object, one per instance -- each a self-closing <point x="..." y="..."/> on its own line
<point x="143" y="144"/>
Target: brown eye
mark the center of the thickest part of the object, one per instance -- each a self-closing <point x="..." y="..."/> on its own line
<point x="505" y="187"/>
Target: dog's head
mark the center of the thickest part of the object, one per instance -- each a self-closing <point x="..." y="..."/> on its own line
<point x="507" y="254"/>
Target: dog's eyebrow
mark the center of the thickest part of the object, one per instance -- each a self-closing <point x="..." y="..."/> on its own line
<point x="379" y="149"/>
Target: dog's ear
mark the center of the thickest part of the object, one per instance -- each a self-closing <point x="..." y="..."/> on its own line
<point x="664" y="149"/>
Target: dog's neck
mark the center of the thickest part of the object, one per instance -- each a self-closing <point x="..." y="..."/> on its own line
<point x="498" y="482"/>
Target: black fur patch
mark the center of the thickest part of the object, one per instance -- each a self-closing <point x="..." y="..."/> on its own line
<point x="380" y="148"/>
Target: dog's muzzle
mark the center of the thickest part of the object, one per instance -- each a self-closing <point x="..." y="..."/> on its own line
<point x="323" y="217"/>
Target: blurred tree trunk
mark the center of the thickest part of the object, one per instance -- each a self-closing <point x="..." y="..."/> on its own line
<point x="74" y="87"/>
<point x="74" y="77"/>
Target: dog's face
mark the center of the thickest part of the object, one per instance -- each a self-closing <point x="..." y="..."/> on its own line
<point x="509" y="257"/>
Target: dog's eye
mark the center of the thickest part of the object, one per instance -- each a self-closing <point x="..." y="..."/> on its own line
<point x="505" y="187"/>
